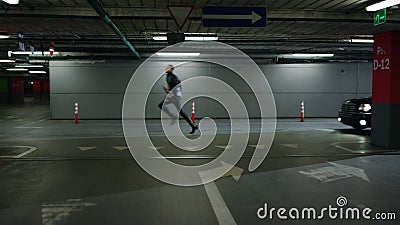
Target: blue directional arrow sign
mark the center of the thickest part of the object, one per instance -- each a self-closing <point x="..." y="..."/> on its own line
<point x="227" y="16"/>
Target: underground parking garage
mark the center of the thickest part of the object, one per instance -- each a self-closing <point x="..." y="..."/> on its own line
<point x="199" y="112"/>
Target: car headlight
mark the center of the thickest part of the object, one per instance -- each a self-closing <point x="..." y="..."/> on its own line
<point x="365" y="107"/>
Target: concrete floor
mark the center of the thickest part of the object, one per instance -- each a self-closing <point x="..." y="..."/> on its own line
<point x="57" y="172"/>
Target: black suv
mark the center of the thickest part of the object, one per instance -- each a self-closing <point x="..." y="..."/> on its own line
<point x="356" y="113"/>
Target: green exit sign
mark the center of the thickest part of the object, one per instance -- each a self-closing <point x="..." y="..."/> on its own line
<point x="380" y="17"/>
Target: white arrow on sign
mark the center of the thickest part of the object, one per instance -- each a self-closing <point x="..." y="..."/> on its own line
<point x="335" y="172"/>
<point x="254" y="17"/>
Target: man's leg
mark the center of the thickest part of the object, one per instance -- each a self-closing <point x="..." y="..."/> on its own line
<point x="162" y="105"/>
<point x="188" y="120"/>
<point x="177" y="104"/>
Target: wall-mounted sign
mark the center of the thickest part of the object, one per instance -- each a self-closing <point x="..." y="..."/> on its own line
<point x="380" y="17"/>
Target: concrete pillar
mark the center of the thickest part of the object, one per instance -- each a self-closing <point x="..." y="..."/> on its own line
<point x="17" y="90"/>
<point x="37" y="89"/>
<point x="385" y="130"/>
<point x="3" y="90"/>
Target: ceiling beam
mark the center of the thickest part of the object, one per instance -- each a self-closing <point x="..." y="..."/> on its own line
<point x="160" y="13"/>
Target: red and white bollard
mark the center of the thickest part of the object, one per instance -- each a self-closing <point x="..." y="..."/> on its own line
<point x="51" y="50"/>
<point x="76" y="111"/>
<point x="302" y="111"/>
<point x="193" y="111"/>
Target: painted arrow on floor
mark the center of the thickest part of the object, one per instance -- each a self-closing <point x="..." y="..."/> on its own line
<point x="335" y="172"/>
<point x="235" y="172"/>
<point x="54" y="213"/>
<point x="86" y="148"/>
<point x="156" y="148"/>
<point x="218" y="204"/>
<point x="224" y="146"/>
<point x="12" y="117"/>
<point x="191" y="148"/>
<point x="257" y="146"/>
<point x="295" y="146"/>
<point x="120" y="148"/>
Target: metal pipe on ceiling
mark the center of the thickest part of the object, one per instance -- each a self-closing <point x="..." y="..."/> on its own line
<point x="102" y="13"/>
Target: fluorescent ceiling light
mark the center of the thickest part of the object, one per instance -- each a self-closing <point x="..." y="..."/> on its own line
<point x="160" y="38"/>
<point x="190" y="38"/>
<point x="30" y="53"/>
<point x="29" y="66"/>
<point x="11" y="2"/>
<point x="2" y="36"/>
<point x="6" y="61"/>
<point x="37" y="61"/>
<point x="201" y="38"/>
<point x="37" y="72"/>
<point x="177" y="54"/>
<point x="382" y="5"/>
<point x="361" y="40"/>
<point x="303" y="55"/>
<point x="17" y="69"/>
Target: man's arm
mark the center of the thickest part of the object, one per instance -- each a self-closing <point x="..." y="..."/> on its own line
<point x="166" y="89"/>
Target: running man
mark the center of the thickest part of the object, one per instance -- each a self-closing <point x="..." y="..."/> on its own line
<point x="174" y="97"/>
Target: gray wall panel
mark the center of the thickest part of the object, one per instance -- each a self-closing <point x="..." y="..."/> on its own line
<point x="365" y="79"/>
<point x="312" y="78"/>
<point x="91" y="106"/>
<point x="99" y="87"/>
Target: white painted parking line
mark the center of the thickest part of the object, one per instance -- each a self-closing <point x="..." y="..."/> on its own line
<point x="30" y="150"/>
<point x="362" y="151"/>
<point x="28" y="127"/>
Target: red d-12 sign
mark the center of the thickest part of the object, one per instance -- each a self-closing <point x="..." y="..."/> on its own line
<point x="386" y="74"/>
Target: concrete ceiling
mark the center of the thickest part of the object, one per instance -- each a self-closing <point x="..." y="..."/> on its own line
<point x="293" y="26"/>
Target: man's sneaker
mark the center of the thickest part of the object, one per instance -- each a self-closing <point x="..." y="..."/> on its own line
<point x="194" y="128"/>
